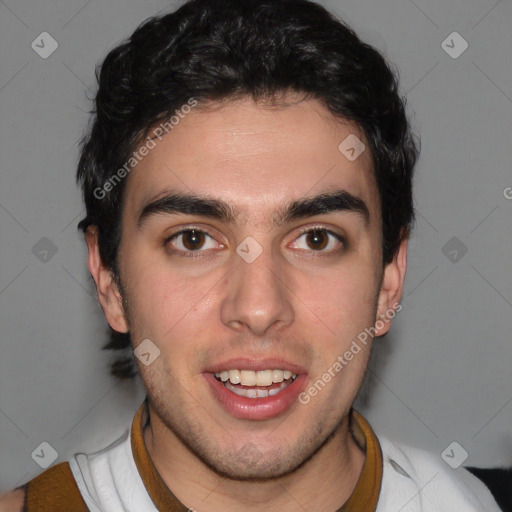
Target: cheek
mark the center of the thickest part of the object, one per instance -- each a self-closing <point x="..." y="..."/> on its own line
<point x="169" y="308"/>
<point x="343" y="310"/>
<point x="343" y="300"/>
<point x="163" y="301"/>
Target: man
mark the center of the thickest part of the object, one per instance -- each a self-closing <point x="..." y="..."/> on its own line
<point x="247" y="181"/>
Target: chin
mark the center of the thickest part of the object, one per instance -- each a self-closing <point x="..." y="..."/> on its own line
<point x="261" y="471"/>
<point x="250" y="463"/>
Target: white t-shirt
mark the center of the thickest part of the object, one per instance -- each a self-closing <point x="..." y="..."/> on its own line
<point x="413" y="480"/>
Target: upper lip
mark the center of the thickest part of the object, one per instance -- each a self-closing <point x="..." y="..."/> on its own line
<point x="256" y="365"/>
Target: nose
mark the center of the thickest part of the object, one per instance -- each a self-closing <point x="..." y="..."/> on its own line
<point x="257" y="297"/>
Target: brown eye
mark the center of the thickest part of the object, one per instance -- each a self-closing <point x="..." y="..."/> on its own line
<point x="192" y="243"/>
<point x="192" y="239"/>
<point x="320" y="240"/>
<point x="317" y="240"/>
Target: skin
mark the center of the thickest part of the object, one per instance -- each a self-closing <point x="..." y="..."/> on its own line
<point x="294" y="302"/>
<point x="12" y="501"/>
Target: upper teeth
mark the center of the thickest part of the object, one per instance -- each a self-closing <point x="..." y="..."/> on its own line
<point x="259" y="378"/>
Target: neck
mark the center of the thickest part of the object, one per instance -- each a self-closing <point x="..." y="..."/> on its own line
<point x="323" y="484"/>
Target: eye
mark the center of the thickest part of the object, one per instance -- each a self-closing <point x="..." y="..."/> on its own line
<point x="191" y="240"/>
<point x="319" y="240"/>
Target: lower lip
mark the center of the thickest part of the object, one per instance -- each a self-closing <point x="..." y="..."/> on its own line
<point x="256" y="408"/>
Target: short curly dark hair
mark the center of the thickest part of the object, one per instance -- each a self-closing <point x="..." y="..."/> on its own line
<point x="216" y="50"/>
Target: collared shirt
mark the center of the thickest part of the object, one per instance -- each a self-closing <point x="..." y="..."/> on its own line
<point x="122" y="478"/>
<point x="364" y="497"/>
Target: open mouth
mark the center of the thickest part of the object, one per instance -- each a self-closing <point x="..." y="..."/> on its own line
<point x="252" y="389"/>
<point x="256" y="384"/>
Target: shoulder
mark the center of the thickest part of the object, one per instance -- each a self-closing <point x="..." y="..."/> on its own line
<point x="12" y="501"/>
<point x="420" y="476"/>
<point x="54" y="490"/>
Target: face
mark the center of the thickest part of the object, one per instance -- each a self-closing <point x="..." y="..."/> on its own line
<point x="252" y="296"/>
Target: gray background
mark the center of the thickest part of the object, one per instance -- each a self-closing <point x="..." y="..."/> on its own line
<point x="443" y="374"/>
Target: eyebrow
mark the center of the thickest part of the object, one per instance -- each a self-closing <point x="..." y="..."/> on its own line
<point x="193" y="204"/>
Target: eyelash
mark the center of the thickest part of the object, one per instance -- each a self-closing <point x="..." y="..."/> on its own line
<point x="197" y="253"/>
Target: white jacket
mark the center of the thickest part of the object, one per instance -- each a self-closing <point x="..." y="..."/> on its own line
<point x="413" y="481"/>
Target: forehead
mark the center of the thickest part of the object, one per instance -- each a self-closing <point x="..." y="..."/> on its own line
<point x="255" y="157"/>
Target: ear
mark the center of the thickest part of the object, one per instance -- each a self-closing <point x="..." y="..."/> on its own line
<point x="108" y="293"/>
<point x="391" y="290"/>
